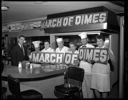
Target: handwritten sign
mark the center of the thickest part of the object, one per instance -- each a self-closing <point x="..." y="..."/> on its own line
<point x="99" y="55"/>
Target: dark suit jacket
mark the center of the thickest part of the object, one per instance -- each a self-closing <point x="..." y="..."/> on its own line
<point x="17" y="55"/>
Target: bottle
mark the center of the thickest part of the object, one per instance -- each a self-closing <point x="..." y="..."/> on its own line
<point x="20" y="67"/>
<point x="30" y="68"/>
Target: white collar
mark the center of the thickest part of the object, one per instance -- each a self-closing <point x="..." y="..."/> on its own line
<point x="19" y="44"/>
<point x="61" y="48"/>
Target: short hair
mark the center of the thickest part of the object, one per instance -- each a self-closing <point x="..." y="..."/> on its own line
<point x="72" y="43"/>
<point x="20" y="36"/>
<point x="100" y="37"/>
<point x="47" y="41"/>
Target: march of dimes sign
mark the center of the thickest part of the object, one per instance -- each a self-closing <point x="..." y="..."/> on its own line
<point x="99" y="55"/>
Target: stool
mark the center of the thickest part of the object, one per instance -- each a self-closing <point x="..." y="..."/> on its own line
<point x="14" y="87"/>
<point x="72" y="87"/>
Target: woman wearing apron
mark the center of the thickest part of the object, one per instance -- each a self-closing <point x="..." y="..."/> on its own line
<point x="100" y="81"/>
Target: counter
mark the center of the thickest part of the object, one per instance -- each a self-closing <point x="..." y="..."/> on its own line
<point x="42" y="79"/>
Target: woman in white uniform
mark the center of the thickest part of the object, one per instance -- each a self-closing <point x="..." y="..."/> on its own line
<point x="72" y="48"/>
<point x="101" y="74"/>
<point x="47" y="47"/>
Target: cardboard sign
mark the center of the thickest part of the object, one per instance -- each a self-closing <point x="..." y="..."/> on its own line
<point x="54" y="58"/>
<point x="99" y="55"/>
<point x="70" y="58"/>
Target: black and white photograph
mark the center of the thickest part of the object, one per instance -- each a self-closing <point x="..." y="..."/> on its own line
<point x="63" y="49"/>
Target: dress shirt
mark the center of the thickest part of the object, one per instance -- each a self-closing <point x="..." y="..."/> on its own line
<point x="48" y="50"/>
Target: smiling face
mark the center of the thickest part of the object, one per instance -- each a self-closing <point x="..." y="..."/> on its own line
<point x="100" y="42"/>
<point x="60" y="44"/>
<point x="84" y="41"/>
<point x="72" y="47"/>
<point x="21" y="40"/>
<point x="46" y="45"/>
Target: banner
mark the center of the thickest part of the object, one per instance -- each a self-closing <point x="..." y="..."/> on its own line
<point x="76" y="23"/>
<point x="54" y="58"/>
<point x="99" y="55"/>
<point x="76" y="20"/>
<point x="97" y="18"/>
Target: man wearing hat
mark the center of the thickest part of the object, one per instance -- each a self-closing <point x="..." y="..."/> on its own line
<point x="61" y="48"/>
<point x="36" y="46"/>
<point x="87" y="66"/>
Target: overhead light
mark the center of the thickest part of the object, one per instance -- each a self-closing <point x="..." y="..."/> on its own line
<point x="4" y="8"/>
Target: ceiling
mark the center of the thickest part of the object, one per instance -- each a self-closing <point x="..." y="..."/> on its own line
<point x="27" y="10"/>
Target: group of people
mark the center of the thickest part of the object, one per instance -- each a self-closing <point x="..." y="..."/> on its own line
<point x="61" y="48"/>
<point x="96" y="83"/>
<point x="19" y="52"/>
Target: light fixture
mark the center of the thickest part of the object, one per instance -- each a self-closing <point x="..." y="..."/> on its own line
<point x="4" y="8"/>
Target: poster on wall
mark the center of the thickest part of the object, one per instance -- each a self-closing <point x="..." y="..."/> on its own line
<point x="20" y="26"/>
<point x="5" y="29"/>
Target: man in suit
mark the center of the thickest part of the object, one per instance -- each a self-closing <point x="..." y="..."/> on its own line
<point x="19" y="52"/>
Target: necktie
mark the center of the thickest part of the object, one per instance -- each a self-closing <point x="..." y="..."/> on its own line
<point x="23" y="49"/>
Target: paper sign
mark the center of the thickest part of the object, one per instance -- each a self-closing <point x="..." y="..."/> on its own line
<point x="99" y="55"/>
<point x="54" y="58"/>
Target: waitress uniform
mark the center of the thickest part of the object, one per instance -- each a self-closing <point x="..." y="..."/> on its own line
<point x="101" y="77"/>
<point x="63" y="50"/>
<point x="75" y="52"/>
<point x="48" y="50"/>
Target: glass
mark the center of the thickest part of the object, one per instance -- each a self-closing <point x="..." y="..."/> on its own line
<point x="57" y="66"/>
<point x="27" y="68"/>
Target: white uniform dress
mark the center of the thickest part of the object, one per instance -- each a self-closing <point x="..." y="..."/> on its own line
<point x="48" y="50"/>
<point x="76" y="52"/>
<point x="101" y="77"/>
<point x="63" y="50"/>
<point x="87" y="92"/>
